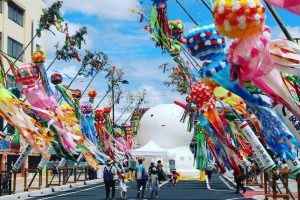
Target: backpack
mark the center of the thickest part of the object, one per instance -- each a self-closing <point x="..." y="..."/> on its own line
<point x="108" y="175"/>
<point x="153" y="170"/>
<point x="209" y="167"/>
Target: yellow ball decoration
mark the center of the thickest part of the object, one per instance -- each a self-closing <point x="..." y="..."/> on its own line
<point x="239" y="18"/>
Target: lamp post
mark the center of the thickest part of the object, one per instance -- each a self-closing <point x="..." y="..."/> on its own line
<point x="113" y="83"/>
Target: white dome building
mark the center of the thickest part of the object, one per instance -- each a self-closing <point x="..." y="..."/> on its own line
<point x="162" y="125"/>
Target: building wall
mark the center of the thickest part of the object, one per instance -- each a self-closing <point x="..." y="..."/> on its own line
<point x="8" y="28"/>
<point x="22" y="34"/>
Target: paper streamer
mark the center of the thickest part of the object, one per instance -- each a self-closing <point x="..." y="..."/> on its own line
<point x="62" y="163"/>
<point x="257" y="146"/>
<point x="26" y="151"/>
<point x="78" y="160"/>
<point x="259" y="162"/>
<point x="294" y="165"/>
<point x="290" y="120"/>
<point x="44" y="160"/>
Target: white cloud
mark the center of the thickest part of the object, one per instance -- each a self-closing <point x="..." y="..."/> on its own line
<point x="52" y="40"/>
<point x="104" y="9"/>
<point x="278" y="34"/>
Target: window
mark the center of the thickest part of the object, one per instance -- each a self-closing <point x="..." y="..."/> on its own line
<point x="14" y="49"/>
<point x="1" y="6"/>
<point x="15" y="13"/>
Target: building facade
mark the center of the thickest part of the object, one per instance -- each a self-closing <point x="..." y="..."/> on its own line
<point x="18" y="24"/>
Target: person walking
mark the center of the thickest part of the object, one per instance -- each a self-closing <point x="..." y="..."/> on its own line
<point x="154" y="185"/>
<point x="109" y="173"/>
<point x="175" y="176"/>
<point x="123" y="186"/>
<point x="238" y="180"/>
<point x="141" y="178"/>
<point x="209" y="171"/>
<point x="161" y="174"/>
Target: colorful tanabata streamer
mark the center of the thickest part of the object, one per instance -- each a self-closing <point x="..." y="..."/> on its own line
<point x="257" y="66"/>
<point x="201" y="95"/>
<point x="278" y="136"/>
<point x="201" y="154"/>
<point x="290" y="5"/>
<point x="13" y="111"/>
<point x="28" y="75"/>
<point x="208" y="45"/>
<point x="87" y="148"/>
<point x="87" y="121"/>
<point x="237" y="103"/>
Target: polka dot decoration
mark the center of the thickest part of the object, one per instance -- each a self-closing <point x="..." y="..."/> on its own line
<point x="239" y="18"/>
<point x="200" y="93"/>
<point x="205" y="42"/>
<point x="86" y="108"/>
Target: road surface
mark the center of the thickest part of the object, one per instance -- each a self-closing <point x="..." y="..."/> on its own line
<point x="183" y="190"/>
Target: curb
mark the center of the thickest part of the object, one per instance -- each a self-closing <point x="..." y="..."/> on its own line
<point x="47" y="191"/>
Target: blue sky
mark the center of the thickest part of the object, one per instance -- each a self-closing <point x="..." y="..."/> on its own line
<point x="115" y="30"/>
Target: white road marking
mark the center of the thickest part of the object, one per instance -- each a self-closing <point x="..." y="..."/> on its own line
<point x="72" y="192"/>
<point x="60" y="195"/>
<point x="226" y="183"/>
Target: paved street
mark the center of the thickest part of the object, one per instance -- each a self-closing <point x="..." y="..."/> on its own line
<point x="184" y="190"/>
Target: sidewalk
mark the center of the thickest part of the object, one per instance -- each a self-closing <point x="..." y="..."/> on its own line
<point x="21" y="194"/>
<point x="258" y="193"/>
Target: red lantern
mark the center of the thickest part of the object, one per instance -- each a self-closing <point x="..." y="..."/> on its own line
<point x="92" y="93"/>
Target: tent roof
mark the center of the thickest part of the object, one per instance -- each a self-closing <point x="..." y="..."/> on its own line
<point x="151" y="149"/>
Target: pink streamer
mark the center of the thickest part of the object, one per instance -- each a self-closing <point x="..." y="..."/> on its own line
<point x="290" y="5"/>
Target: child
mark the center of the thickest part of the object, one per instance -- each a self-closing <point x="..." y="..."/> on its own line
<point x="155" y="185"/>
<point x="175" y="175"/>
<point x="123" y="187"/>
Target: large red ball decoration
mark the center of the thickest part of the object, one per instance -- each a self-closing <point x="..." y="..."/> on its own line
<point x="56" y="78"/>
<point x="106" y="110"/>
<point x="92" y="93"/>
<point x="200" y="93"/>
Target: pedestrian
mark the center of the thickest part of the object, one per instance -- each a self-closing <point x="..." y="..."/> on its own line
<point x="285" y="168"/>
<point x="154" y="185"/>
<point x="175" y="176"/>
<point x="238" y="178"/>
<point x="55" y="167"/>
<point x="152" y="171"/>
<point x="161" y="174"/>
<point x="123" y="186"/>
<point x="141" y="178"/>
<point x="209" y="171"/>
<point x="109" y="173"/>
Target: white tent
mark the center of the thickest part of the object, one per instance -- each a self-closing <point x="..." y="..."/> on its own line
<point x="151" y="149"/>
